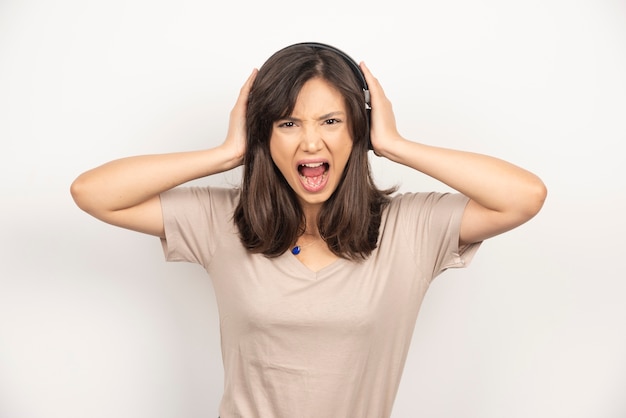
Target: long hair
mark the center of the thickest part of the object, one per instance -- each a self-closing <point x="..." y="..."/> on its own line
<point x="268" y="215"/>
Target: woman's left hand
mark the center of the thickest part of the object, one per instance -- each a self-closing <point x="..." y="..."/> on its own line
<point x="383" y="130"/>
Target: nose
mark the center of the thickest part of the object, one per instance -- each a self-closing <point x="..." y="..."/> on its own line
<point x="311" y="139"/>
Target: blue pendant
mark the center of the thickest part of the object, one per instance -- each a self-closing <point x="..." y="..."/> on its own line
<point x="295" y="250"/>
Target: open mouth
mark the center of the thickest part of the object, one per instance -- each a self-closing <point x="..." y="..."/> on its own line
<point x="313" y="175"/>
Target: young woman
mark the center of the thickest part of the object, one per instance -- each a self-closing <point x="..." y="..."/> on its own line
<point x="318" y="274"/>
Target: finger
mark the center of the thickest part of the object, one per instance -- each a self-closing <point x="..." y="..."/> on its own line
<point x="248" y="84"/>
<point x="372" y="82"/>
<point x="244" y="92"/>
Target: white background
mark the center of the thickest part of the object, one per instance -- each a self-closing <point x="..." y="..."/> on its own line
<point x="93" y="322"/>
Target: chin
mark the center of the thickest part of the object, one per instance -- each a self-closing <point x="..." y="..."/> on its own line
<point x="307" y="198"/>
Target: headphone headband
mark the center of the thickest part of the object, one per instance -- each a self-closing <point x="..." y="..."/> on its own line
<point x="354" y="66"/>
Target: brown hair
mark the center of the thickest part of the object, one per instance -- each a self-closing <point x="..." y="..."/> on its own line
<point x="268" y="215"/>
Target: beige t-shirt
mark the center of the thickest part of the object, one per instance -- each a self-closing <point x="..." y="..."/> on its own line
<point x="304" y="344"/>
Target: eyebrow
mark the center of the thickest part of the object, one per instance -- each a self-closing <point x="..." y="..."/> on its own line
<point x="322" y="117"/>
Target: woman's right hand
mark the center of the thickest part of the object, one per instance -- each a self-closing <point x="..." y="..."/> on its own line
<point x="236" y="136"/>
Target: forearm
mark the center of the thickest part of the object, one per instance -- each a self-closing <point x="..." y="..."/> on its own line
<point x="127" y="182"/>
<point x="491" y="182"/>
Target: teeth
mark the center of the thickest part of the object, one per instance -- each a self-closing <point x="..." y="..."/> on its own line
<point x="315" y="182"/>
<point x="312" y="165"/>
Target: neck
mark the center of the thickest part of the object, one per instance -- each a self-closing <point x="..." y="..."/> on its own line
<point x="309" y="237"/>
<point x="305" y="240"/>
<point x="310" y="225"/>
<point x="311" y="212"/>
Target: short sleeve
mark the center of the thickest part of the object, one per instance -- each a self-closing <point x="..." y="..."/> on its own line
<point x="432" y="224"/>
<point x="193" y="219"/>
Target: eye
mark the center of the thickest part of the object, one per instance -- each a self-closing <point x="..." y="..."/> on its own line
<point x="286" y="124"/>
<point x="332" y="121"/>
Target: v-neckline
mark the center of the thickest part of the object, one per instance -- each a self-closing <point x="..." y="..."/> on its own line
<point x="306" y="272"/>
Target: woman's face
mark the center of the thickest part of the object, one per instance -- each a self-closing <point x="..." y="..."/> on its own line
<point x="311" y="146"/>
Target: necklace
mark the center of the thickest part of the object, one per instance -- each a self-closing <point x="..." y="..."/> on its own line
<point x="297" y="248"/>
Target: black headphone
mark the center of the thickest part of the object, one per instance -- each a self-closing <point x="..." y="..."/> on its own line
<point x="357" y="72"/>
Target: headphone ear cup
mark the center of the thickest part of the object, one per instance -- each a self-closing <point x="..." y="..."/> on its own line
<point x="368" y="110"/>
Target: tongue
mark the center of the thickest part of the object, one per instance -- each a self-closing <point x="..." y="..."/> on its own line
<point x="312" y="171"/>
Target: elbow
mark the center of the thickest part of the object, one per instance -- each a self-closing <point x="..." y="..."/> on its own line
<point x="79" y="191"/>
<point x="535" y="198"/>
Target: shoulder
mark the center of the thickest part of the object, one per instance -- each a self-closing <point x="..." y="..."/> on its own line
<point x="408" y="211"/>
<point x="202" y="193"/>
<point x="425" y="201"/>
<point x="206" y="197"/>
